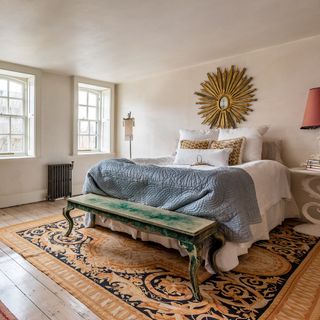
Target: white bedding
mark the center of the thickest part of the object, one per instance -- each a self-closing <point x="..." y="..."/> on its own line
<point x="271" y="180"/>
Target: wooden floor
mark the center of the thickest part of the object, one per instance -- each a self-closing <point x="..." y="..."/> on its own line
<point x="28" y="293"/>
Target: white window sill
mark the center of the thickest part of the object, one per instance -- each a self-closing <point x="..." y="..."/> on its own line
<point x="16" y="157"/>
<point x="94" y="153"/>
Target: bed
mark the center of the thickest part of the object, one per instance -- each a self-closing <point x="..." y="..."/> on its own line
<point x="272" y="187"/>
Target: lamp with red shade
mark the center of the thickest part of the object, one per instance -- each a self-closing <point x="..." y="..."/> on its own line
<point x="311" y="118"/>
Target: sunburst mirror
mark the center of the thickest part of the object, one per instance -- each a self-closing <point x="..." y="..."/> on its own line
<point x="226" y="97"/>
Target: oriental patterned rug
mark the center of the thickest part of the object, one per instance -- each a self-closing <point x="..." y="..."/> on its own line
<point x="5" y="314"/>
<point x="120" y="278"/>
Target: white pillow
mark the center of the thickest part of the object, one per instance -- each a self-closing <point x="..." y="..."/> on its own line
<point x="213" y="157"/>
<point x="253" y="147"/>
<point x="196" y="135"/>
<point x="262" y="129"/>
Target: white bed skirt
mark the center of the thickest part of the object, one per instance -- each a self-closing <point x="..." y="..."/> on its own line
<point x="227" y="257"/>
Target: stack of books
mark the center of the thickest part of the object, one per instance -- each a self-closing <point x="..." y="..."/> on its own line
<point x="313" y="164"/>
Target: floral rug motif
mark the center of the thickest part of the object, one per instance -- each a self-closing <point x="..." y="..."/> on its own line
<point x="122" y="278"/>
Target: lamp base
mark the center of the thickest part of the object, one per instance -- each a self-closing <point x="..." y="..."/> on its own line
<point x="316" y="156"/>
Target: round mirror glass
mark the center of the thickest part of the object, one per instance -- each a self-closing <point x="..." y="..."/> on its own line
<point x="224" y="102"/>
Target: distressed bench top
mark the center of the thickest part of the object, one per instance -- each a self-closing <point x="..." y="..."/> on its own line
<point x="166" y="219"/>
<point x="190" y="231"/>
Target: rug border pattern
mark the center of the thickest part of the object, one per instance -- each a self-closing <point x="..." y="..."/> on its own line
<point x="303" y="284"/>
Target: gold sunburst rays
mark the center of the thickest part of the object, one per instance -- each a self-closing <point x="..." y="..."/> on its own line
<point x="226" y="97"/>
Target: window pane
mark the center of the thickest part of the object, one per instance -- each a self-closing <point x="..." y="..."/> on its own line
<point x="93" y="127"/>
<point x="16" y="107"/>
<point x="93" y="99"/>
<point x="16" y="89"/>
<point x="3" y="105"/>
<point x="84" y="127"/>
<point x="82" y="113"/>
<point x="84" y="143"/>
<point x="93" y="142"/>
<point x="17" y="126"/>
<point x="4" y="144"/>
<point x="17" y="114"/>
<point x="4" y="125"/>
<point x="3" y="87"/>
<point x="92" y="113"/>
<point x="82" y="97"/>
<point x="17" y="144"/>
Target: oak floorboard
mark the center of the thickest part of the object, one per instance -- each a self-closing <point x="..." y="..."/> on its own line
<point x="70" y="300"/>
<point x="51" y="305"/>
<point x="17" y="302"/>
<point x="7" y="218"/>
<point x="27" y="292"/>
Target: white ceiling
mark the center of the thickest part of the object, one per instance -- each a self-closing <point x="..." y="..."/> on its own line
<point x="123" y="40"/>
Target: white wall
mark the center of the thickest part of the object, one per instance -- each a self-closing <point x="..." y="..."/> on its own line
<point x="163" y="104"/>
<point x="25" y="180"/>
<point x="282" y="74"/>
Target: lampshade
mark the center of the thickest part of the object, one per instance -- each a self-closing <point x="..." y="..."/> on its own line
<point x="128" y="128"/>
<point x="311" y="118"/>
<point x="128" y="124"/>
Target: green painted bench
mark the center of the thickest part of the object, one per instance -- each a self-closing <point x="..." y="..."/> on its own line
<point x="190" y="231"/>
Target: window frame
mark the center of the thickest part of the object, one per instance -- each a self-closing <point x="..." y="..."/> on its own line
<point x="31" y="78"/>
<point x="98" y="108"/>
<point x="95" y="85"/>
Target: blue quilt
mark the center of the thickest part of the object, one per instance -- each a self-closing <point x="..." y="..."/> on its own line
<point x="225" y="194"/>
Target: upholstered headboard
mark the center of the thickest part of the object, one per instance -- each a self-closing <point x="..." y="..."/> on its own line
<point x="271" y="150"/>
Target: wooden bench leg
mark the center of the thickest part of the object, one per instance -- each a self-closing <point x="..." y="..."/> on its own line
<point x="194" y="252"/>
<point x="66" y="214"/>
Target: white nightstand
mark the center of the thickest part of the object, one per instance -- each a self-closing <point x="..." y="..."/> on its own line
<point x="313" y="227"/>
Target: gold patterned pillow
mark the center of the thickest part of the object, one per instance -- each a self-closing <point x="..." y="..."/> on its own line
<point x="236" y="144"/>
<point x="190" y="144"/>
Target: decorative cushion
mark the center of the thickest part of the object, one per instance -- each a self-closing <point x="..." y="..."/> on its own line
<point x="190" y="144"/>
<point x="253" y="147"/>
<point x="237" y="146"/>
<point x="271" y="150"/>
<point x="262" y="129"/>
<point x="217" y="157"/>
<point x="196" y="135"/>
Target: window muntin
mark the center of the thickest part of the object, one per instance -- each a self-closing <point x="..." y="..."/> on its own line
<point x="17" y="114"/>
<point x="93" y="122"/>
<point x="14" y="122"/>
<point x="88" y="119"/>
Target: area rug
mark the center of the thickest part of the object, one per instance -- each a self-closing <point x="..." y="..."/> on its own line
<point x="118" y="277"/>
<point x="5" y="314"/>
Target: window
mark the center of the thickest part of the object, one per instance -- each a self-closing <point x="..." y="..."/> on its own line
<point x="17" y="125"/>
<point x="93" y="118"/>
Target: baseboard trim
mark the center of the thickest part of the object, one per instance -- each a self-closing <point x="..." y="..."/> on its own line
<point x="15" y="199"/>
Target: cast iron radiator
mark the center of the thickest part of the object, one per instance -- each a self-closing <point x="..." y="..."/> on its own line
<point x="59" y="180"/>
